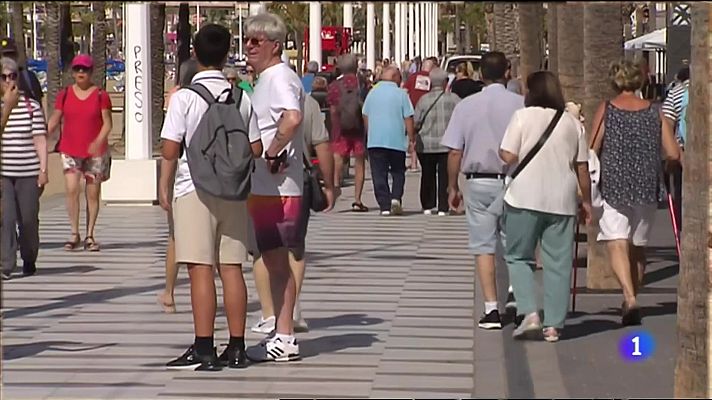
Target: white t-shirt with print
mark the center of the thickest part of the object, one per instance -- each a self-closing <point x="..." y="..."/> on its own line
<point x="185" y="110"/>
<point x="278" y="89"/>
<point x="549" y="182"/>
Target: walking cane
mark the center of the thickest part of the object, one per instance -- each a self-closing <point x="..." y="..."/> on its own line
<point x="575" y="266"/>
<point x="671" y="210"/>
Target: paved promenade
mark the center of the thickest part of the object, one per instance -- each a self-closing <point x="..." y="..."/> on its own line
<point x="391" y="303"/>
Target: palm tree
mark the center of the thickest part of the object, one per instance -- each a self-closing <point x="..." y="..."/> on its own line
<point x="552" y="38"/>
<point x="17" y="17"/>
<point x="601" y="48"/>
<point x="530" y="36"/>
<point x="570" y="49"/>
<point x="691" y="370"/>
<point x="98" y="45"/>
<point x="52" y="42"/>
<point x="505" y="30"/>
<point x="66" y="41"/>
<point x="293" y="15"/>
<point x="158" y="68"/>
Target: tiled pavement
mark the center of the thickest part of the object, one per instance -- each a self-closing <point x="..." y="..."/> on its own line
<point x="390" y="303"/>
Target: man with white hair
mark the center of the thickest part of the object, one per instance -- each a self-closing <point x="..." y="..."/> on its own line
<point x="308" y="78"/>
<point x="276" y="199"/>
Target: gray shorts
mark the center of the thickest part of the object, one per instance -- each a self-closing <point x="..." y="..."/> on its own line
<point x="484" y="226"/>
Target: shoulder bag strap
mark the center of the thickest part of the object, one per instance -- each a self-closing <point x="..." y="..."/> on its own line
<point x="539" y="144"/>
<point x="600" y="125"/>
<point x="420" y="123"/>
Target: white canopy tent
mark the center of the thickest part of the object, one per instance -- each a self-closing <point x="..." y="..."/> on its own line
<point x="654" y="40"/>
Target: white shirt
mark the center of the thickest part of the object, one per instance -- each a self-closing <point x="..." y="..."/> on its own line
<point x="548" y="183"/>
<point x="185" y="110"/>
<point x="278" y="90"/>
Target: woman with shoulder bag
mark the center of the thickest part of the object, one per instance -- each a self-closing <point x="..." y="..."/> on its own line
<point x="630" y="137"/>
<point x="551" y="153"/>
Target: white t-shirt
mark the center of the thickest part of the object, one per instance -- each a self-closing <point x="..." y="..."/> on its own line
<point x="185" y="110"/>
<point x="278" y="89"/>
<point x="548" y="183"/>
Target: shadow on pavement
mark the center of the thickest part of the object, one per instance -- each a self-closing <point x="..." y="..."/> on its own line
<point x="17" y="351"/>
<point x="594" y="326"/>
<point x="74" y="269"/>
<point x="334" y="343"/>
<point x="343" y="320"/>
<point x="151" y="244"/>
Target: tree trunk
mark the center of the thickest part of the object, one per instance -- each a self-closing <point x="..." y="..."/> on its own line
<point x="601" y="48"/>
<point x="183" y="37"/>
<point x="98" y="45"/>
<point x="505" y="33"/>
<point x="66" y="40"/>
<point x="17" y="22"/>
<point x="158" y="69"/>
<point x="52" y="43"/>
<point x="458" y="34"/>
<point x="570" y="49"/>
<point x="489" y="20"/>
<point x="530" y="36"/>
<point x="552" y="39"/>
<point x="691" y="369"/>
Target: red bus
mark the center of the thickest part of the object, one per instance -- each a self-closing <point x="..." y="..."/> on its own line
<point x="335" y="41"/>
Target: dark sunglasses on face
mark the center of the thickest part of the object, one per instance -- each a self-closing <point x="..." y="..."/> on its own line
<point x="9" y="77"/>
<point x="254" y="42"/>
<point x="81" y="69"/>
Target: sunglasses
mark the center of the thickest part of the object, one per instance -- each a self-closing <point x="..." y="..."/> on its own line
<point x="9" y="77"/>
<point x="254" y="42"/>
<point x="80" y="68"/>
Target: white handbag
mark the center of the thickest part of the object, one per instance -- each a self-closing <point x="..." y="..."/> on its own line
<point x="594" y="168"/>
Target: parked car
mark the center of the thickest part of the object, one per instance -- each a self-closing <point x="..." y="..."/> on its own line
<point x="450" y="63"/>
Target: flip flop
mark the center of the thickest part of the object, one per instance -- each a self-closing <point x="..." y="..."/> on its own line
<point x="358" y="207"/>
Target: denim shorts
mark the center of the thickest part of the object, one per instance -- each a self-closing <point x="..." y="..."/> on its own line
<point x="484" y="226"/>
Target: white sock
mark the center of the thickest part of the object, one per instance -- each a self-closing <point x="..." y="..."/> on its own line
<point x="511" y="290"/>
<point x="284" y="338"/>
<point x="490" y="306"/>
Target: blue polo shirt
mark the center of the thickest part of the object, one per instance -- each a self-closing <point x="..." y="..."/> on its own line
<point x="386" y="107"/>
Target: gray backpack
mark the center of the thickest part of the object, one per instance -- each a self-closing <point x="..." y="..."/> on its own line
<point x="219" y="154"/>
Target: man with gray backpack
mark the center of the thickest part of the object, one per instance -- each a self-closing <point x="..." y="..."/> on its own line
<point x="210" y="130"/>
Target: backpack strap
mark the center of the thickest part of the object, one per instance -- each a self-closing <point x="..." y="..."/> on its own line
<point x="203" y="92"/>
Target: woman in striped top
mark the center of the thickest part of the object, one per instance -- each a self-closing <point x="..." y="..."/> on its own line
<point x="24" y="174"/>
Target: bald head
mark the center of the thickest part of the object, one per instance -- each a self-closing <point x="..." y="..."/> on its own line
<point x="390" y="73"/>
<point x="428" y="65"/>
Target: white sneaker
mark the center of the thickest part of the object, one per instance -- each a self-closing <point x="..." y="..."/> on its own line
<point x="530" y="328"/>
<point x="265" y="326"/>
<point x="275" y="349"/>
<point x="396" y="207"/>
<point x="442" y="213"/>
<point x="385" y="213"/>
<point x="427" y="212"/>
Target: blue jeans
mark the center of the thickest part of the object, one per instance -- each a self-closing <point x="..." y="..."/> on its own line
<point x="385" y="161"/>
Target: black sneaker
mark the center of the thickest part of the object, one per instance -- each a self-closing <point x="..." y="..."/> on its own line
<point x="491" y="321"/>
<point x="29" y="269"/>
<point x="233" y="358"/>
<point x="511" y="304"/>
<point x="191" y="360"/>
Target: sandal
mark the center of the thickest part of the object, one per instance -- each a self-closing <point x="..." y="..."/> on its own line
<point x="91" y="244"/>
<point x="72" y="244"/>
<point x="358" y="207"/>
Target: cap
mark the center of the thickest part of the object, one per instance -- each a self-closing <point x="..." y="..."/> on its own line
<point x="83" y="60"/>
<point x="7" y="46"/>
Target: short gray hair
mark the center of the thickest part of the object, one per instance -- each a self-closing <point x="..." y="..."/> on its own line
<point x="313" y="67"/>
<point x="347" y="63"/>
<point x="271" y="25"/>
<point x="9" y="64"/>
<point x="438" y="77"/>
<point x="230" y="73"/>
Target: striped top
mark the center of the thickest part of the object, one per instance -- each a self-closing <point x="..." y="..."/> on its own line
<point x="19" y="157"/>
<point x="672" y="106"/>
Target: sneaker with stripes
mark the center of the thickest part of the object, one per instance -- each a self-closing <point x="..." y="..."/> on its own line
<point x="276" y="348"/>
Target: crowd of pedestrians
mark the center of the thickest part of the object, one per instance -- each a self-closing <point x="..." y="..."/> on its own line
<point x="256" y="202"/>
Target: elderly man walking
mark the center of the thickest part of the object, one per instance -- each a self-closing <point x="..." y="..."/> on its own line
<point x="473" y="136"/>
<point x="388" y="116"/>
<point x="308" y="78"/>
